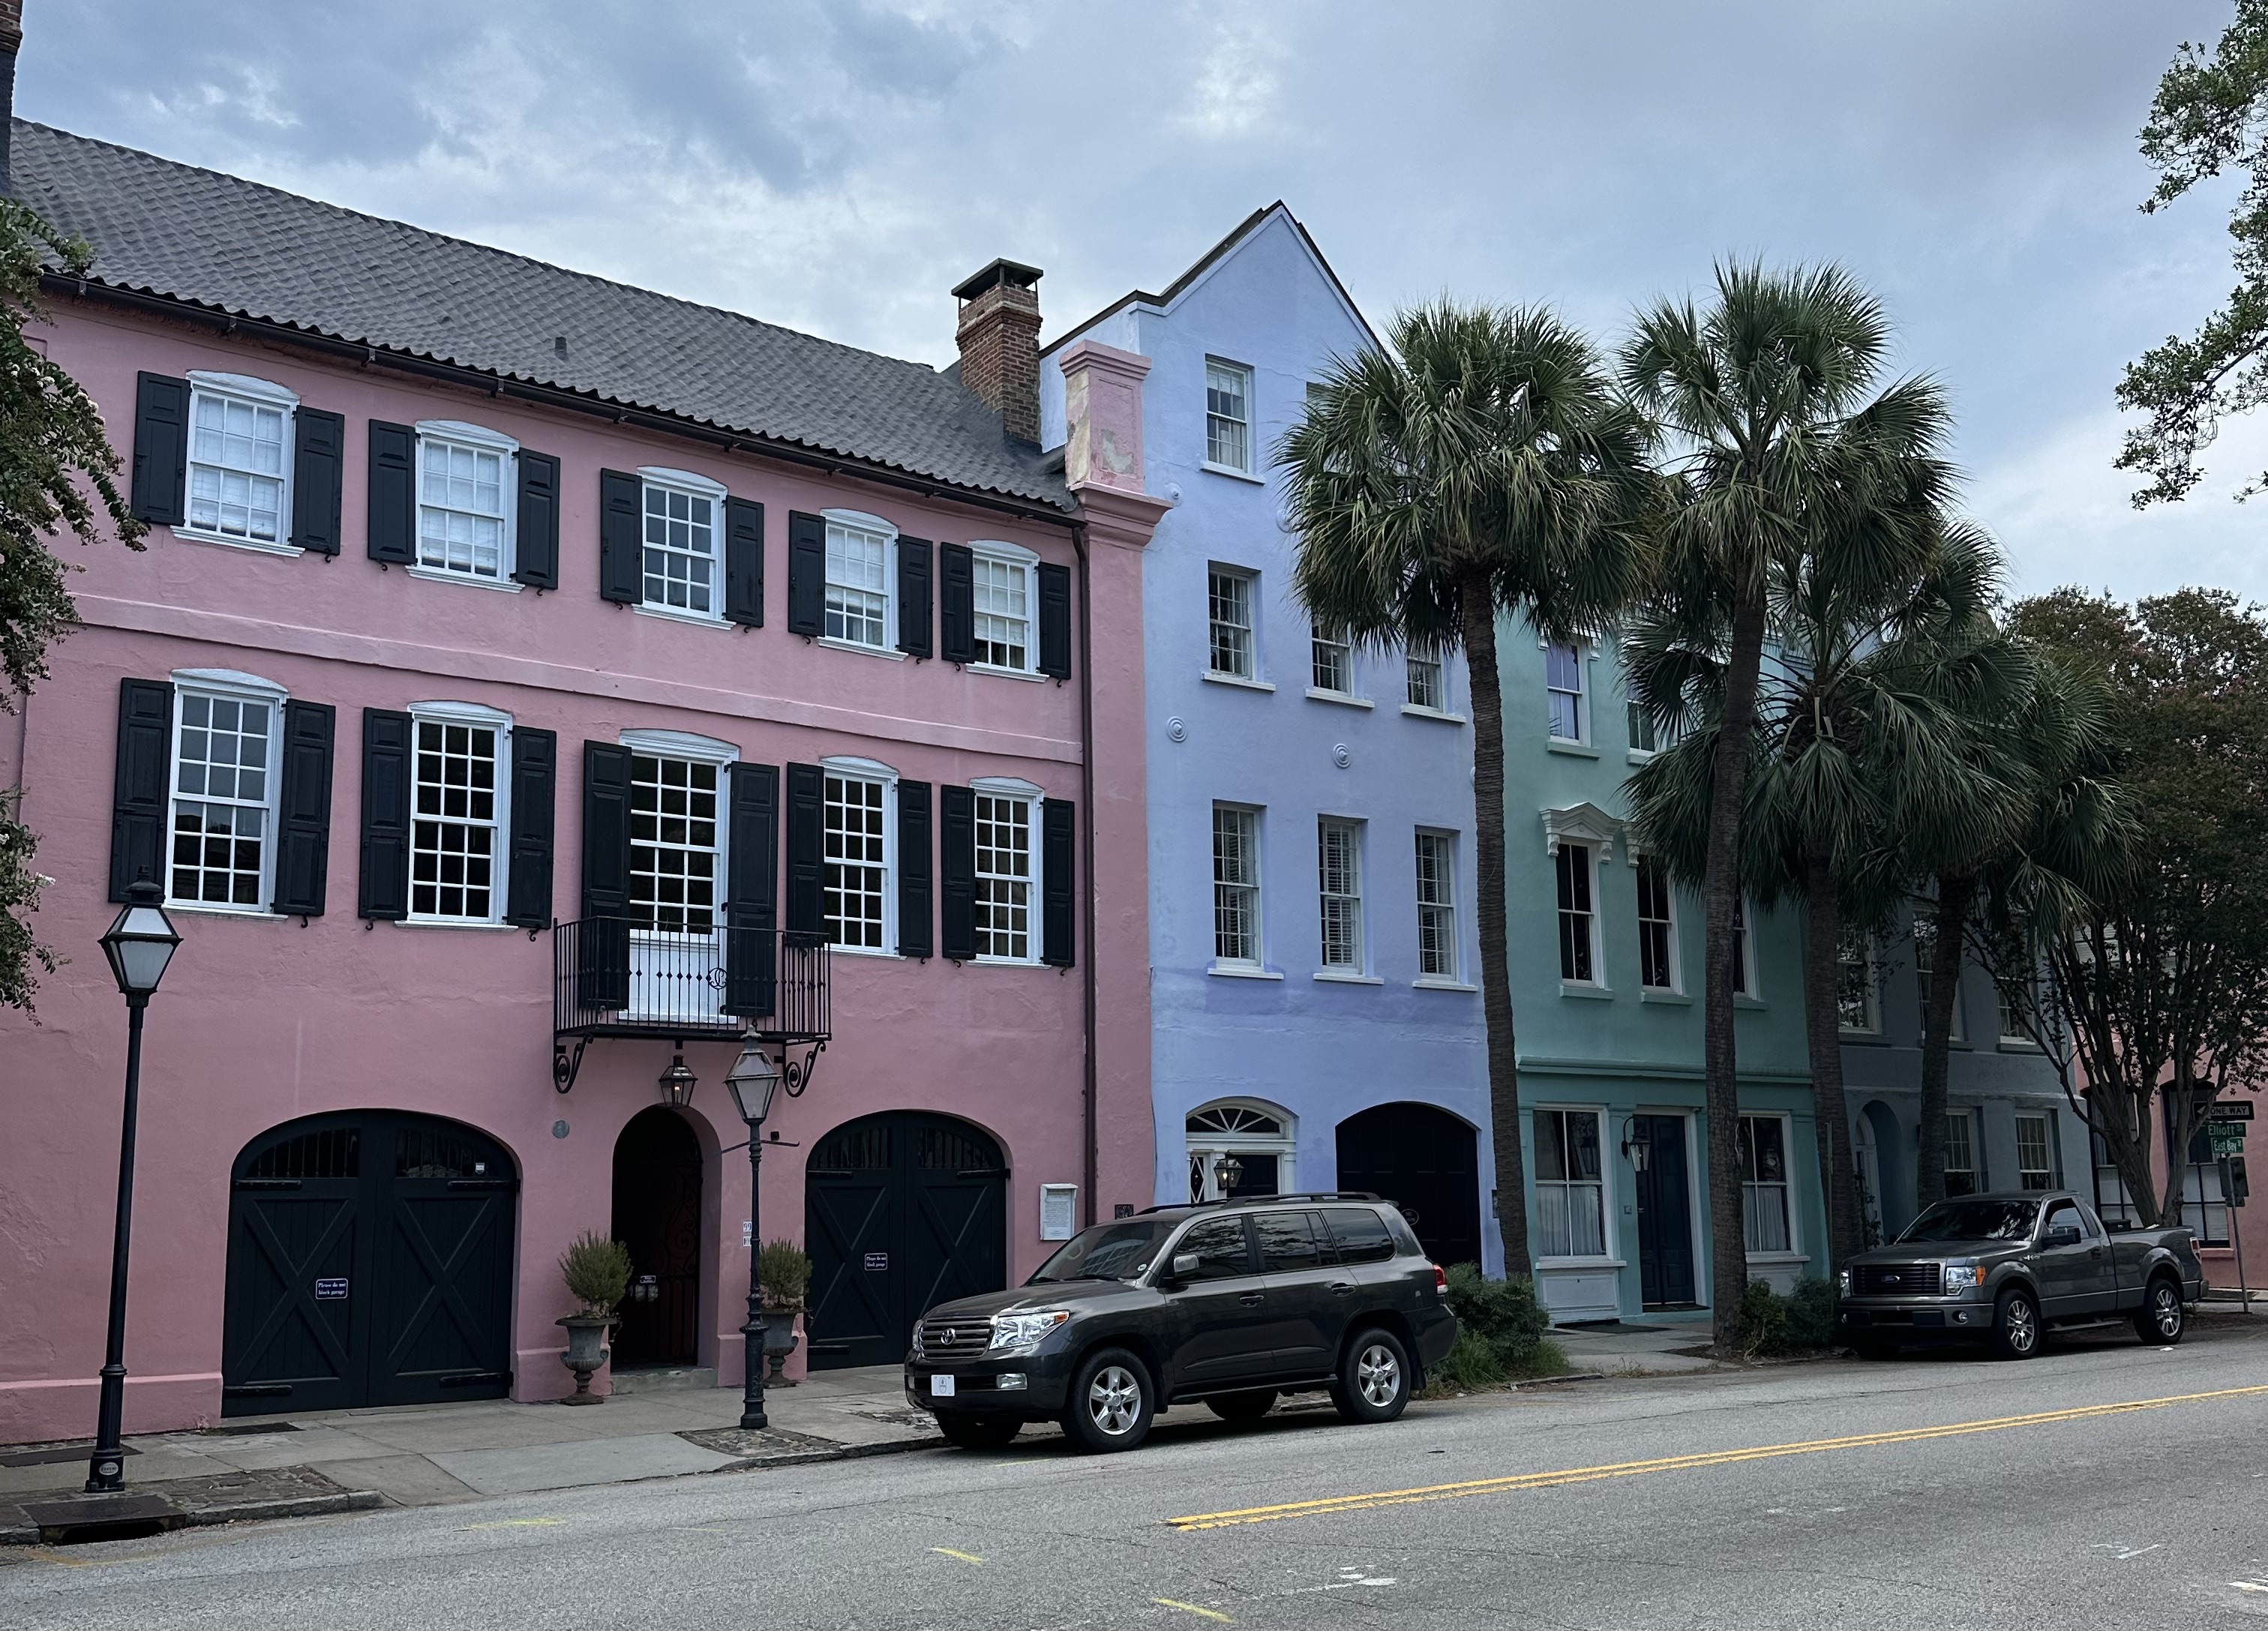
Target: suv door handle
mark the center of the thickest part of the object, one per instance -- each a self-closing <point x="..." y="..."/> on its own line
<point x="2094" y="1251"/>
<point x="1250" y="1299"/>
<point x="1341" y="1288"/>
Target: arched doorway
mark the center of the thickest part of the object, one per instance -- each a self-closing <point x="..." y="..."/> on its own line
<point x="658" y="1217"/>
<point x="901" y="1211"/>
<point x="370" y="1262"/>
<point x="1427" y="1162"/>
<point x="1258" y="1137"/>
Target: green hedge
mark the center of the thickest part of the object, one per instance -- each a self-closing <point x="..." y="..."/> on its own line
<point x="1771" y="1324"/>
<point x="1501" y="1332"/>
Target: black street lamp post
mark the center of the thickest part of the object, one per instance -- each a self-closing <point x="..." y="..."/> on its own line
<point x="753" y="1080"/>
<point x="138" y="945"/>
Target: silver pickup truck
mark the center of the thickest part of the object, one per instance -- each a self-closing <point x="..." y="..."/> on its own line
<point x="2004" y="1269"/>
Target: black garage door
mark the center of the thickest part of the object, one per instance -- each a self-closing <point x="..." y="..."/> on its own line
<point x="370" y="1262"/>
<point x="1424" y="1160"/>
<point x="901" y="1212"/>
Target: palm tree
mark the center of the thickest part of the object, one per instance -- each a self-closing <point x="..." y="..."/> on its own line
<point x="1780" y="441"/>
<point x="1483" y="466"/>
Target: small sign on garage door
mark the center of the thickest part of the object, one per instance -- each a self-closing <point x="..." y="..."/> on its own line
<point x="878" y="1263"/>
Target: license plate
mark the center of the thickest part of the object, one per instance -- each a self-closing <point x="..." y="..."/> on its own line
<point x="940" y="1387"/>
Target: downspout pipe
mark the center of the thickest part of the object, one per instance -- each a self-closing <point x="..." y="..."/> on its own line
<point x="1087" y="858"/>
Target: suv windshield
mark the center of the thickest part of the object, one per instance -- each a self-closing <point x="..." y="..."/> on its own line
<point x="1117" y="1250"/>
<point x="1975" y="1220"/>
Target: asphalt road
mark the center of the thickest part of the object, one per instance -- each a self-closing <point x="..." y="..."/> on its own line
<point x="1620" y="1503"/>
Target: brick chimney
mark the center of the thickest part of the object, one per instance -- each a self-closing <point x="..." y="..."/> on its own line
<point x="11" y="41"/>
<point x="1000" y="339"/>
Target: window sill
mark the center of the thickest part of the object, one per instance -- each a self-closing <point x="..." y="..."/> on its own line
<point x="670" y="614"/>
<point x="1677" y="999"/>
<point x="1344" y="977"/>
<point x="1234" y="472"/>
<point x="251" y="913"/>
<point x="1582" y="1262"/>
<point x="1849" y="1033"/>
<point x="1581" y="750"/>
<point x="456" y="922"/>
<point x="188" y="534"/>
<point x="442" y="575"/>
<point x="1418" y="711"/>
<point x="865" y="950"/>
<point x="1230" y="971"/>
<point x="1639" y="756"/>
<point x="1238" y="681"/>
<point x="1743" y="1001"/>
<point x="1780" y="1257"/>
<point x="1345" y="699"/>
<point x="835" y="642"/>
<point x="1442" y="985"/>
<point x="988" y="960"/>
<point x="1003" y="674"/>
<point x="2018" y="1045"/>
<point x="1590" y="993"/>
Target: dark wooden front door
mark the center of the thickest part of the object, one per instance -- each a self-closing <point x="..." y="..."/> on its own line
<point x="901" y="1212"/>
<point x="1665" y="1212"/>
<point x="657" y="1216"/>
<point x="370" y="1262"/>
<point x="1427" y="1162"/>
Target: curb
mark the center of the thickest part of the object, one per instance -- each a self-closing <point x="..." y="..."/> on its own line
<point x="303" y="1506"/>
<point x="841" y="1452"/>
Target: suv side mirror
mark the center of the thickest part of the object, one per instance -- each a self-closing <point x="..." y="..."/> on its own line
<point x="2063" y="1234"/>
<point x="1185" y="1267"/>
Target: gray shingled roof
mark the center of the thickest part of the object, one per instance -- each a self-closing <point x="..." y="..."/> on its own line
<point x="230" y="246"/>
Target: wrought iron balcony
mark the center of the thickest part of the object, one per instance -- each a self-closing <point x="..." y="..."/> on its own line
<point x="611" y="978"/>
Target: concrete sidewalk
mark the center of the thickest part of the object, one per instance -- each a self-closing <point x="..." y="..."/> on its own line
<point x="1642" y="1349"/>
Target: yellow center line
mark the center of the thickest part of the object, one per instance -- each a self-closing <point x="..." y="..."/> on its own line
<point x="966" y="1557"/>
<point x="1191" y="1608"/>
<point x="1511" y="1482"/>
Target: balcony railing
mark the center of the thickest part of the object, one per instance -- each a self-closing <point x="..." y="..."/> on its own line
<point x="610" y="978"/>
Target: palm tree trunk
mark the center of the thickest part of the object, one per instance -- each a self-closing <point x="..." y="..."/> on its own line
<point x="1720" y="893"/>
<point x="1955" y="893"/>
<point x="1822" y="1033"/>
<point x="1476" y="610"/>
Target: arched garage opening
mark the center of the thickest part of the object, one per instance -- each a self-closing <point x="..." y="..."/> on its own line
<point x="1425" y="1161"/>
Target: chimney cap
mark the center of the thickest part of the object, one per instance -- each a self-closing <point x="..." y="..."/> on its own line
<point x="1013" y="273"/>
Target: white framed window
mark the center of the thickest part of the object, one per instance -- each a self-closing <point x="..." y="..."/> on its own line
<point x="2012" y="1010"/>
<point x="857" y="799"/>
<point x="1766" y="1224"/>
<point x="226" y="765"/>
<point x="677" y="848"/>
<point x="1657" y="927"/>
<point x="2112" y="1204"/>
<point x="1002" y="596"/>
<point x="1579" y="923"/>
<point x="1648" y="739"/>
<point x="1228" y="595"/>
<point x="1858" y="998"/>
<point x="1236" y="885"/>
<point x="459" y="781"/>
<point x="1571" y="1211"/>
<point x="1257" y="1136"/>
<point x="1338" y="872"/>
<point x="468" y="500"/>
<point x="683" y="517"/>
<point x="1745" y="982"/>
<point x="1563" y="684"/>
<point x="2037" y="1167"/>
<point x="1437" y="905"/>
<point x="1924" y="945"/>
<point x="240" y="474"/>
<point x="1960" y="1171"/>
<point x="1422" y="671"/>
<point x="1228" y="416"/>
<point x="1330" y="662"/>
<point x="861" y="549"/>
<point x="1007" y="874"/>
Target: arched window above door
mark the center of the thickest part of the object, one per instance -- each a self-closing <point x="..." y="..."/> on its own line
<point x="1254" y="1136"/>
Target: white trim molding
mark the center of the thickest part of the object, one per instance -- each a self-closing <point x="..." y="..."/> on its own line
<point x="871" y="770"/>
<point x="228" y="680"/>
<point x="708" y="487"/>
<point x="680" y="744"/>
<point x="463" y="430"/>
<point x="245" y="385"/>
<point x="999" y="786"/>
<point x="463" y="713"/>
<point x="1581" y="824"/>
<point x="860" y="519"/>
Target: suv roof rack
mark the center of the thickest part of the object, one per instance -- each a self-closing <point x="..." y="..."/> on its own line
<point x="1317" y="1194"/>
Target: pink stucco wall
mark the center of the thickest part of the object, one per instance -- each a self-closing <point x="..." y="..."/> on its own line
<point x="262" y="1020"/>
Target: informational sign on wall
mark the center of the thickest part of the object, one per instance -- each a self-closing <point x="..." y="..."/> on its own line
<point x="1058" y="1212"/>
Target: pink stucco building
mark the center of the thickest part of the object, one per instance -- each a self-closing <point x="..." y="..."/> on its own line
<point x="514" y="649"/>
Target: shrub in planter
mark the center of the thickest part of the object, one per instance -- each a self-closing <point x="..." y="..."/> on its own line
<point x="1763" y="1320"/>
<point x="597" y="1274"/>
<point x="784" y="1271"/>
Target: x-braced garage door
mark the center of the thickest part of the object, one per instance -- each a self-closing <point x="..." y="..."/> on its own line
<point x="370" y="1262"/>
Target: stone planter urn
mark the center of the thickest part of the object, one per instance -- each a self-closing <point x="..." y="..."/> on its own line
<point x="587" y="1351"/>
<point x="780" y="1339"/>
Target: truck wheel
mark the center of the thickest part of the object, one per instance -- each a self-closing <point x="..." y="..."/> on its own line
<point x="1110" y="1406"/>
<point x="966" y="1432"/>
<point x="1242" y="1409"/>
<point x="2162" y="1318"/>
<point x="1373" y="1382"/>
<point x="2015" y="1325"/>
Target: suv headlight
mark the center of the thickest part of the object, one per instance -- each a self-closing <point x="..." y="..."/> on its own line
<point x="920" y="1351"/>
<point x="1963" y="1277"/>
<point x="1843" y="1282"/>
<point x="1022" y="1333"/>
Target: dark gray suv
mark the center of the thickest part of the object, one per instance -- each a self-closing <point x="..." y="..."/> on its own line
<point x="1230" y="1304"/>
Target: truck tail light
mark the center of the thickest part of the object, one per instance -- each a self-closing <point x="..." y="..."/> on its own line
<point x="1440" y="1281"/>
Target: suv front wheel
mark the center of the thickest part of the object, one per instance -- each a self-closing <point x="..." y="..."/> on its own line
<point x="1374" y="1381"/>
<point x="1110" y="1405"/>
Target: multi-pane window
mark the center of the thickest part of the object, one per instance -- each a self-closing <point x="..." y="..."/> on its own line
<point x="1855" y="996"/>
<point x="1562" y="683"/>
<point x="1657" y="930"/>
<point x="1575" y="918"/>
<point x="2036" y="1150"/>
<point x="236" y="465"/>
<point x="857" y="579"/>
<point x="1437" y="906"/>
<point x="1333" y="665"/>
<point x="460" y="507"/>
<point x="1763" y="1151"/>
<point x="857" y="867"/>
<point x="452" y="833"/>
<point x="1924" y="945"/>
<point x="1228" y="416"/>
<point x="1424" y="679"/>
<point x="1570" y="1204"/>
<point x="2112" y="1204"/>
<point x="1744" y="950"/>
<point x="1001" y="594"/>
<point x="1338" y="868"/>
<point x="224" y="798"/>
<point x="1235" y="885"/>
<point x="673" y="848"/>
<point x="2015" y="1008"/>
<point x="1960" y="1153"/>
<point x="1228" y="595"/>
<point x="1643" y="736"/>
<point x="680" y="550"/>
<point x="1004" y="876"/>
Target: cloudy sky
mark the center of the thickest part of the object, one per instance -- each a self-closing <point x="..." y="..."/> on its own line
<point x="837" y="167"/>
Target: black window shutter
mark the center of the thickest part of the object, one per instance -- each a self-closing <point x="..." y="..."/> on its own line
<point x="1058" y="882"/>
<point x="161" y="451"/>
<point x="303" y="832"/>
<point x="807" y="574"/>
<point x="1055" y="620"/>
<point x="914" y="906"/>
<point x="535" y="541"/>
<point x="534" y="819"/>
<point x="752" y="892"/>
<point x="744" y="562"/>
<point x="392" y="493"/>
<point x="137" y="797"/>
<point x="806" y="865"/>
<point x="319" y="455"/>
<point x="913" y="597"/>
<point x="956" y="864"/>
<point x="956" y="611"/>
<point x="385" y="763"/>
<point x="603" y="976"/>
<point x="622" y="555"/>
